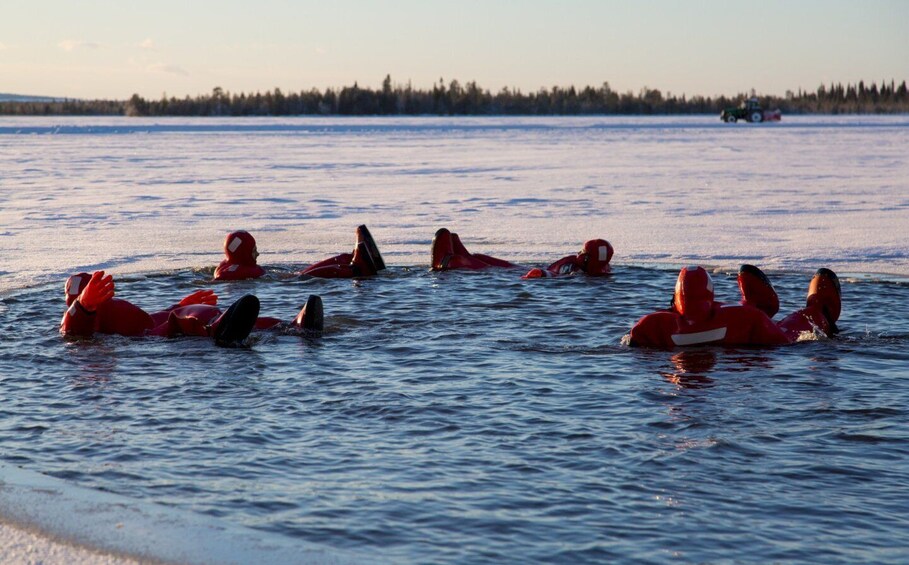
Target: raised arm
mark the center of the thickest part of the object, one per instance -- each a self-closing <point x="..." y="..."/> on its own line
<point x="79" y="319"/>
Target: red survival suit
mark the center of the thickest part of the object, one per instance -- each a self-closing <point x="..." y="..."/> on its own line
<point x="239" y="258"/>
<point x="697" y="319"/>
<point x="365" y="260"/>
<point x="449" y="253"/>
<point x="92" y="309"/>
<point x="593" y="259"/>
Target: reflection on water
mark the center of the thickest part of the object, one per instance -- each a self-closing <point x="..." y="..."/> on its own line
<point x="691" y="368"/>
<point x="476" y="417"/>
<point x="93" y="363"/>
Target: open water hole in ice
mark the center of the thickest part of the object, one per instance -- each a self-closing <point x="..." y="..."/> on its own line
<point x="475" y="417"/>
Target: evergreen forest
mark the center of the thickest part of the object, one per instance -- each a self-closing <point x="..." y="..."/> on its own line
<point x="470" y="99"/>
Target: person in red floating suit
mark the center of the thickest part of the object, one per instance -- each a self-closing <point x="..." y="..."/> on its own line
<point x="92" y="308"/>
<point x="240" y="255"/>
<point x="364" y="261"/>
<point x="593" y="260"/>
<point x="695" y="318"/>
<point x="448" y="253"/>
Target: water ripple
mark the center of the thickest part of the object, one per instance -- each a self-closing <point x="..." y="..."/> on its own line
<point x="475" y="417"/>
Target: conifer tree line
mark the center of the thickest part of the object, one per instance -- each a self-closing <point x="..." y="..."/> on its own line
<point x="470" y="99"/>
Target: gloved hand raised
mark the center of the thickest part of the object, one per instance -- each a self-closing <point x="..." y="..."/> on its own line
<point x="200" y="297"/>
<point x="100" y="289"/>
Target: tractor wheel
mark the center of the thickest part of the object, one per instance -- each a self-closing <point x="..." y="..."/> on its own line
<point x="757" y="117"/>
<point x="730" y="119"/>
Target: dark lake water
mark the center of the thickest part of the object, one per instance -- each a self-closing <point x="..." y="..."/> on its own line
<point x="478" y="418"/>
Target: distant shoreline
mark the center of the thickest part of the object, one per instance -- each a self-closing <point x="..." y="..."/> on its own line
<point x="436" y="116"/>
<point x="469" y="99"/>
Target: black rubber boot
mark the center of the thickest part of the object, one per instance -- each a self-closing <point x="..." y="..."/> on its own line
<point x="362" y="262"/>
<point x="441" y="250"/>
<point x="235" y="324"/>
<point x="311" y="318"/>
<point x="363" y="236"/>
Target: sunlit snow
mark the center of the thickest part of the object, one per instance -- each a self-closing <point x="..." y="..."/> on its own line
<point x="138" y="195"/>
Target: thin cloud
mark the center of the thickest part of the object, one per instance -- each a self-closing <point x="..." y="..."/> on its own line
<point x="148" y="44"/>
<point x="167" y="69"/>
<point x="72" y="45"/>
<point x="2" y="47"/>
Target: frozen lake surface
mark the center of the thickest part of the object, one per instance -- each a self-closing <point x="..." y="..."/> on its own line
<point x="144" y="195"/>
<point x="472" y="417"/>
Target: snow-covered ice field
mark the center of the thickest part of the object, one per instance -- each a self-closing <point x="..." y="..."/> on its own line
<point x="136" y="195"/>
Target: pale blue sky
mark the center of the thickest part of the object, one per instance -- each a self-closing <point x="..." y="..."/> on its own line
<point x="94" y="48"/>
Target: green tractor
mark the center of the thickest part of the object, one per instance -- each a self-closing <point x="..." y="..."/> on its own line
<point x="750" y="110"/>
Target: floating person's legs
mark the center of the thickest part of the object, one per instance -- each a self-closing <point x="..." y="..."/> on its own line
<point x="341" y="260"/>
<point x="757" y="290"/>
<point x="488" y="259"/>
<point x="308" y="322"/>
<point x="232" y="327"/>
<point x="441" y="250"/>
<point x="228" y="328"/>
<point x="824" y="292"/>
<point x="822" y="309"/>
<point x="364" y="261"/>
<point x="364" y="237"/>
<point x="193" y="320"/>
<point x="449" y="253"/>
